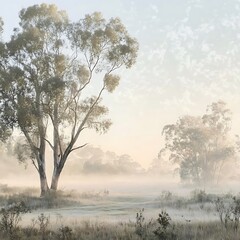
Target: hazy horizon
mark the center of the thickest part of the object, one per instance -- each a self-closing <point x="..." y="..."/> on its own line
<point x="188" y="58"/>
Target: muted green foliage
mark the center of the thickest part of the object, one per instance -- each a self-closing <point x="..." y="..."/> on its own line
<point x="200" y="196"/>
<point x="143" y="227"/>
<point x="164" y="230"/>
<point x="111" y="82"/>
<point x="201" y="145"/>
<point x="47" y="68"/>
<point x="10" y="217"/>
<point x="65" y="233"/>
<point x="160" y="229"/>
<point x="43" y="222"/>
<point x="229" y="212"/>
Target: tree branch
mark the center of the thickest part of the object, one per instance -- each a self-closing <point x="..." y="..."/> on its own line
<point x="50" y="144"/>
<point x="34" y="164"/>
<point x="73" y="149"/>
<point x="33" y="147"/>
<point x="70" y="148"/>
<point x="87" y="115"/>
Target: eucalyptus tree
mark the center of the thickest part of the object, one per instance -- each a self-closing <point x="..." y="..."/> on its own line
<point x="56" y="74"/>
<point x="201" y="145"/>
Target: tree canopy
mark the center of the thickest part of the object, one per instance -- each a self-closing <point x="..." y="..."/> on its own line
<point x="201" y="145"/>
<point x="47" y="80"/>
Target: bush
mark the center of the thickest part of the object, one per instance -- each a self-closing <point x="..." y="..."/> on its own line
<point x="43" y="222"/>
<point x="199" y="196"/>
<point x="142" y="228"/>
<point x="164" y="230"/>
<point x="10" y="218"/>
<point x="229" y="212"/>
<point x="65" y="233"/>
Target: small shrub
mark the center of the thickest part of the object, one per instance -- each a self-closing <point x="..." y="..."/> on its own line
<point x="229" y="213"/>
<point x="164" y="232"/>
<point x="235" y="209"/>
<point x="31" y="230"/>
<point x="140" y="223"/>
<point x="43" y="222"/>
<point x="200" y="196"/>
<point x="166" y="196"/>
<point x="142" y="228"/>
<point x="65" y="233"/>
<point x="10" y="218"/>
<point x="224" y="212"/>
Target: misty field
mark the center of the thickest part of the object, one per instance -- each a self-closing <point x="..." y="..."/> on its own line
<point x="178" y="213"/>
<point x="161" y="80"/>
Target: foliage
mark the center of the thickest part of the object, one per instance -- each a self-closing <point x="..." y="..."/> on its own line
<point x="46" y="81"/>
<point x="140" y="223"/>
<point x="142" y="228"/>
<point x="43" y="222"/>
<point x="162" y="228"/>
<point x="147" y="230"/>
<point x="166" y="196"/>
<point x="162" y="232"/>
<point x="200" y="145"/>
<point x="65" y="233"/>
<point x="200" y="196"/>
<point x="229" y="213"/>
<point x="10" y="218"/>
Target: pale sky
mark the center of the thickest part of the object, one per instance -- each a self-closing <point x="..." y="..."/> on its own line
<point x="189" y="57"/>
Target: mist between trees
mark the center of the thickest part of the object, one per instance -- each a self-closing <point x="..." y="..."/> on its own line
<point x="46" y="72"/>
<point x="53" y="76"/>
<point x="199" y="150"/>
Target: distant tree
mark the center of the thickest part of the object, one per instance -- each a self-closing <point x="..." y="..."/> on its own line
<point x="93" y="160"/>
<point x="200" y="145"/>
<point x="48" y="80"/>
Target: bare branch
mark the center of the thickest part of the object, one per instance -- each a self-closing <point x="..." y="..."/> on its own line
<point x="87" y="115"/>
<point x="73" y="149"/>
<point x="70" y="148"/>
<point x="50" y="144"/>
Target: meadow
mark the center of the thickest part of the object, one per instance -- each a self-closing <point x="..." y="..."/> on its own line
<point x="196" y="214"/>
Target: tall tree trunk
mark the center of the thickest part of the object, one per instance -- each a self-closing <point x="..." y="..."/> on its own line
<point x="43" y="184"/>
<point x="57" y="172"/>
<point x="43" y="181"/>
<point x="56" y="148"/>
<point x="42" y="173"/>
<point x="55" y="178"/>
